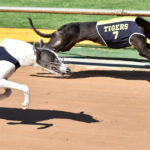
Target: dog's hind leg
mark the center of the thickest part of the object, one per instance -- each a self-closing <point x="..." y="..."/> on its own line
<point x="64" y="39"/>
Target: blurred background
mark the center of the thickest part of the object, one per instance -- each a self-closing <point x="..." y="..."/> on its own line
<point x="13" y="20"/>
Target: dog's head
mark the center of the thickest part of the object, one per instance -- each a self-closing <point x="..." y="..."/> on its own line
<point x="50" y="61"/>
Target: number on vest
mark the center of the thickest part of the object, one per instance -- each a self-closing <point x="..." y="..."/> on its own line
<point x="115" y="33"/>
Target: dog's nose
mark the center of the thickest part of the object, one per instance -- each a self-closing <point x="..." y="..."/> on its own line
<point x="68" y="70"/>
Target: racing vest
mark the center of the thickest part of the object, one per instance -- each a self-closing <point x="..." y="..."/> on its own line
<point x="4" y="55"/>
<point x="116" y="33"/>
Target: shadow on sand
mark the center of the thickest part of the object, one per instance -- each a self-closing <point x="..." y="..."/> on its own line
<point x="33" y="116"/>
<point x="127" y="75"/>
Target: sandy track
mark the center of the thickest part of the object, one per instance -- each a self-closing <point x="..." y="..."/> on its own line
<point x="92" y="110"/>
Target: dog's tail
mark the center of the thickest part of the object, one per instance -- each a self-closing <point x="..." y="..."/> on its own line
<point x="38" y="32"/>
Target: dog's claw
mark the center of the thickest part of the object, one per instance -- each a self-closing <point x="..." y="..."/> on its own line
<point x="25" y="106"/>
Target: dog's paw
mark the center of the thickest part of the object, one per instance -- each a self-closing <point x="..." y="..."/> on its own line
<point x="25" y="106"/>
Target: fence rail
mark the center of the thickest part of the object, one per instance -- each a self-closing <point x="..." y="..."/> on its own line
<point x="116" y="12"/>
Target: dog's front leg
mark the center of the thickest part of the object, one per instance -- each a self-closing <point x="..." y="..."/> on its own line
<point x="139" y="42"/>
<point x="9" y="84"/>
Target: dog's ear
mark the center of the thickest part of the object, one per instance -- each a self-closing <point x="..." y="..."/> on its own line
<point x="41" y="43"/>
<point x="36" y="49"/>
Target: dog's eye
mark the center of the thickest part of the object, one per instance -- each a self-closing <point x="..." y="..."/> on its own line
<point x="45" y="65"/>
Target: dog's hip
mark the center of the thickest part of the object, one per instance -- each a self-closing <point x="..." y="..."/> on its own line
<point x="6" y="69"/>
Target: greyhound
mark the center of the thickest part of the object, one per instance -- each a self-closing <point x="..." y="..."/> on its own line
<point x="121" y="33"/>
<point x="15" y="54"/>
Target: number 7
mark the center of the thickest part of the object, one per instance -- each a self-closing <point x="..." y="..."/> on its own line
<point x="116" y="34"/>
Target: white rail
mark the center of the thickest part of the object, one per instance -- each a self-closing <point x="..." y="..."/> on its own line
<point x="117" y="12"/>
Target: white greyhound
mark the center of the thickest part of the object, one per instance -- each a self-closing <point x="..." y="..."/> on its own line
<point x="16" y="53"/>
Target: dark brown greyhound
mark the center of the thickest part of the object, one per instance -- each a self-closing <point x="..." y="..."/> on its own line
<point x="119" y="34"/>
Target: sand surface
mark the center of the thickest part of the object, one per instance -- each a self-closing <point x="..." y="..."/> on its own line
<point x="91" y="110"/>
